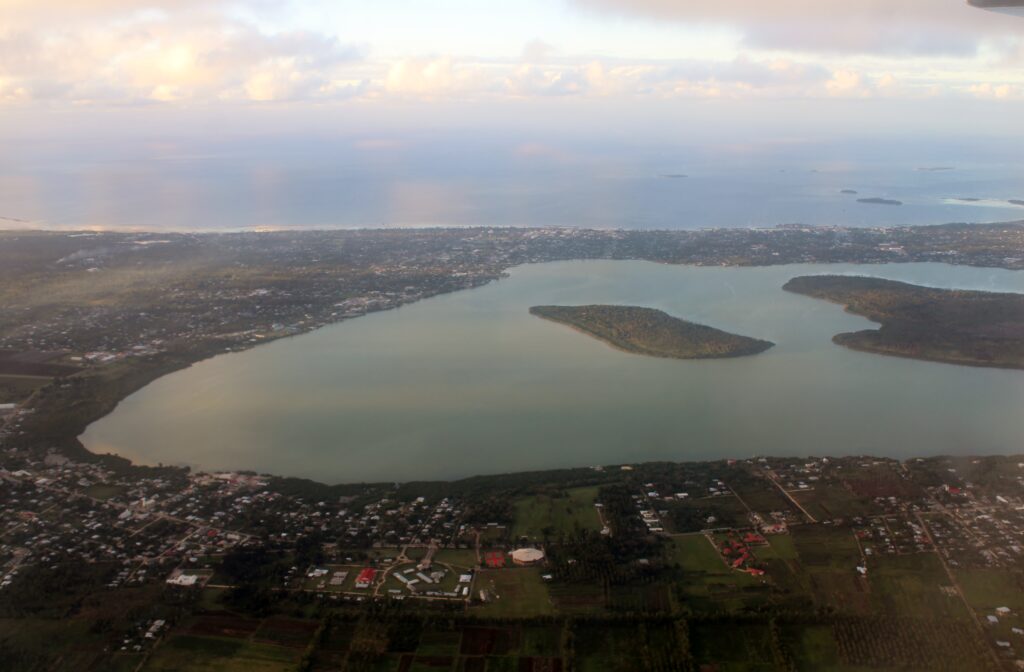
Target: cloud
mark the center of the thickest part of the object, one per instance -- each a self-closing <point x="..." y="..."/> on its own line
<point x="164" y="59"/>
<point x="833" y="26"/>
<point x="847" y="84"/>
<point x="537" y="51"/>
<point x="182" y="52"/>
<point x="989" y="91"/>
<point x="432" y="77"/>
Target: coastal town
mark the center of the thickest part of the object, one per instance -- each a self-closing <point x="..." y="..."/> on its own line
<point x="825" y="533"/>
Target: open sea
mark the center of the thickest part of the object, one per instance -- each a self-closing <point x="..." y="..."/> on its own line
<point x="453" y="181"/>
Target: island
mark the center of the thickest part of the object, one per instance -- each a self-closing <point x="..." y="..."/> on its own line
<point x="941" y="325"/>
<point x="1016" y="201"/>
<point x="646" y="331"/>
<point x="848" y="191"/>
<point x="879" y="201"/>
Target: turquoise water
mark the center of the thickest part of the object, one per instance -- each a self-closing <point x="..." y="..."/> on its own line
<point x="470" y="383"/>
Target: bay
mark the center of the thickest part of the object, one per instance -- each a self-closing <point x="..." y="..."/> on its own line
<point x="470" y="383"/>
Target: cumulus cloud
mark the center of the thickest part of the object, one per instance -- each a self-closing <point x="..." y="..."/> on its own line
<point x="866" y="26"/>
<point x="433" y="77"/>
<point x="989" y="91"/>
<point x="165" y="59"/>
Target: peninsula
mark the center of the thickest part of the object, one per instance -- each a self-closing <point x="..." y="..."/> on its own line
<point x="646" y="331"/>
<point x="941" y="325"/>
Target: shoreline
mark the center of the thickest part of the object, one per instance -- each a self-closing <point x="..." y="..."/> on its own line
<point x="154" y="375"/>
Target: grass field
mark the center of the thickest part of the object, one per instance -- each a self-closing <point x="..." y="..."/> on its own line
<point x="558" y="515"/>
<point x="695" y="553"/>
<point x="459" y="558"/>
<point x="987" y="589"/>
<point x="516" y="592"/>
<point x="780" y="546"/>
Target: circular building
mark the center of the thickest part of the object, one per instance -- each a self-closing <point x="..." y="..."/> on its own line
<point x="527" y="556"/>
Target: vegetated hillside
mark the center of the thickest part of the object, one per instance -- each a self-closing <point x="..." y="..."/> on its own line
<point x="647" y="331"/>
<point x="953" y="326"/>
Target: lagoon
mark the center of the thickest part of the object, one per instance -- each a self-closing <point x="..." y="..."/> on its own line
<point x="471" y="383"/>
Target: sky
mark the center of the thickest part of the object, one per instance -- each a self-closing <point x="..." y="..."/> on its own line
<point x="69" y="65"/>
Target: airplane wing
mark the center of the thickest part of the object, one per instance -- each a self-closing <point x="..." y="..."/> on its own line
<point x="1009" y="6"/>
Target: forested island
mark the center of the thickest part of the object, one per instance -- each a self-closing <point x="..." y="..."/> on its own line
<point x="646" y="331"/>
<point x="952" y="326"/>
<point x="879" y="201"/>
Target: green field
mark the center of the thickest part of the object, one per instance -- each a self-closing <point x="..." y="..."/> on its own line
<point x="991" y="588"/>
<point x="780" y="546"/>
<point x="695" y="553"/>
<point x="463" y="558"/>
<point x="518" y="592"/>
<point x="216" y="654"/>
<point x="556" y="515"/>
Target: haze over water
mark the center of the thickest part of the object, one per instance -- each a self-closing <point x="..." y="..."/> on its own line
<point x="479" y="179"/>
<point x="470" y="383"/>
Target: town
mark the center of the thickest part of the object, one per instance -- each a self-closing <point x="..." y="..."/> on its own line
<point x="857" y="542"/>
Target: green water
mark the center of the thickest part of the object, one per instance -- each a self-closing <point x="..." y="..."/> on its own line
<point x="470" y="383"/>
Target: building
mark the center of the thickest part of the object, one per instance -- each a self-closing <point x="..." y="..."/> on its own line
<point x="366" y="578"/>
<point x="527" y="556"/>
<point x="183" y="580"/>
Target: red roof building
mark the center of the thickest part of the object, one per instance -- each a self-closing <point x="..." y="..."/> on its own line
<point x="366" y="577"/>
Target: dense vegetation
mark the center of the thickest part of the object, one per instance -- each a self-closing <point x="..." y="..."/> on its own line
<point x="942" y="325"/>
<point x="646" y="331"/>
